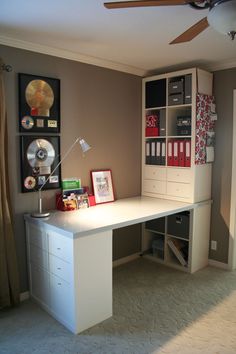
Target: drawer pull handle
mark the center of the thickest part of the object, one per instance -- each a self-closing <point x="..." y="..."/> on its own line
<point x="58" y="248"/>
<point x="58" y="283"/>
<point x="178" y="220"/>
<point x="58" y="268"/>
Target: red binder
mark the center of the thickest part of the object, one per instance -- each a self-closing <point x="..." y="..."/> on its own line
<point x="175" y="153"/>
<point x="187" y="153"/>
<point x="181" y="153"/>
<point x="170" y="153"/>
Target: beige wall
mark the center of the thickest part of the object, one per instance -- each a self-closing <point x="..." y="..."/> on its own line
<point x="102" y="105"/>
<point x="224" y="84"/>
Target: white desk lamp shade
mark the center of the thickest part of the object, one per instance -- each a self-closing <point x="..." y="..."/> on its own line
<point x="84" y="145"/>
<point x="222" y="17"/>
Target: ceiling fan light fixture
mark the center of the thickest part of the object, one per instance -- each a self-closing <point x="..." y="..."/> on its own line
<point x="222" y="17"/>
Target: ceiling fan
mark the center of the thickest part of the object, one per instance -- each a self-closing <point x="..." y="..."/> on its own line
<point x="221" y="15"/>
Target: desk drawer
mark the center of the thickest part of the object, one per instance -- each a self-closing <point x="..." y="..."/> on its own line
<point x="61" y="296"/>
<point x="61" y="268"/>
<point x="60" y="246"/>
<point x="182" y="190"/>
<point x="179" y="175"/>
<point x="155" y="173"/>
<point x="152" y="186"/>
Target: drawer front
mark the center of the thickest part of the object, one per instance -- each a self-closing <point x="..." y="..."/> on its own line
<point x="151" y="186"/>
<point x="61" y="268"/>
<point x="182" y="190"/>
<point x="176" y="99"/>
<point x="38" y="256"/>
<point x="38" y="237"/>
<point x="62" y="302"/>
<point x="175" y="87"/>
<point x="179" y="175"/>
<point x="60" y="246"/>
<point x="156" y="173"/>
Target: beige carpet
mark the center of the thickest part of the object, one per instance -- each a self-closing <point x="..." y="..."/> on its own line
<point x="156" y="310"/>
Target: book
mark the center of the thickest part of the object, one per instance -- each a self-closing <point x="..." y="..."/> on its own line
<point x="176" y="247"/>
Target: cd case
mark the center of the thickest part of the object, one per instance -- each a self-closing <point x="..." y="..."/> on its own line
<point x="39" y="157"/>
<point x="39" y="104"/>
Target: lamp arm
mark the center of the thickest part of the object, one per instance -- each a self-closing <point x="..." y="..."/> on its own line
<point x="59" y="163"/>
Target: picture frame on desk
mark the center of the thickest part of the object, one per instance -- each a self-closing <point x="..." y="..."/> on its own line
<point x="102" y="186"/>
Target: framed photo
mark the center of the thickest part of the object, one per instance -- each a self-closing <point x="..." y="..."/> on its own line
<point x="39" y="104"/>
<point x="102" y="186"/>
<point x="39" y="157"/>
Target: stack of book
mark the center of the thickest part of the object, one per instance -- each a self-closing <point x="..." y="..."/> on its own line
<point x="73" y="195"/>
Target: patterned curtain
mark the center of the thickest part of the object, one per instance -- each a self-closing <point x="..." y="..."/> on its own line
<point x="9" y="278"/>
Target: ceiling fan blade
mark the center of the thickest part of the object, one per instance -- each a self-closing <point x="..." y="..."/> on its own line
<point x="144" y="3"/>
<point x="192" y="32"/>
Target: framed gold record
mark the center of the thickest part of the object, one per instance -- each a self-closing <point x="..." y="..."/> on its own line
<point x="39" y="104"/>
<point x="39" y="156"/>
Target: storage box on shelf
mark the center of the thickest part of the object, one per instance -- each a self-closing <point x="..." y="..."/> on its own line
<point x="169" y="136"/>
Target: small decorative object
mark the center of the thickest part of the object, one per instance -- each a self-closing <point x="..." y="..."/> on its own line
<point x="39" y="104"/>
<point x="102" y="186"/>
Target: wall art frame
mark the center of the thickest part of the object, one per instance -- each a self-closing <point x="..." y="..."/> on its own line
<point x="39" y="104"/>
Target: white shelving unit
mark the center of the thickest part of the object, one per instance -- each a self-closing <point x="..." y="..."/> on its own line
<point x="189" y="184"/>
<point x="165" y="98"/>
<point x="189" y="230"/>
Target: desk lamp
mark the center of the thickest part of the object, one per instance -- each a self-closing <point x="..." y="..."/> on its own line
<point x="84" y="147"/>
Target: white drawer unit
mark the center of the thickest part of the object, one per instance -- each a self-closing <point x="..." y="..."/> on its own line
<point x="156" y="187"/>
<point x="60" y="246"/>
<point x="181" y="190"/>
<point x="179" y="175"/>
<point x="156" y="173"/>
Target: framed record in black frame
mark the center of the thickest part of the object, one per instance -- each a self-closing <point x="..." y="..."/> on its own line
<point x="39" y="104"/>
<point x="39" y="156"/>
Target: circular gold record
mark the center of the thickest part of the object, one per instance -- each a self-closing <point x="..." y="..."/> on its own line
<point x="27" y="122"/>
<point x="39" y="96"/>
<point x="40" y="153"/>
<point x="29" y="182"/>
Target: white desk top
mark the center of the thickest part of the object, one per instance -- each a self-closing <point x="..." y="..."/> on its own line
<point x="109" y="216"/>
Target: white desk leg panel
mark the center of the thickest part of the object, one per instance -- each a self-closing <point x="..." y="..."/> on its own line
<point x="93" y="279"/>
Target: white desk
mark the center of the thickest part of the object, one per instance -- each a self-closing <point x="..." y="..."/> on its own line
<point x="70" y="255"/>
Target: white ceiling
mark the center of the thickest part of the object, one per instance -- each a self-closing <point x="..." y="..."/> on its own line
<point x="132" y="40"/>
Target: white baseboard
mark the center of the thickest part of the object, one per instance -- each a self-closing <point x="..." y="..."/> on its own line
<point x="24" y="296"/>
<point x="124" y="260"/>
<point x="217" y="264"/>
